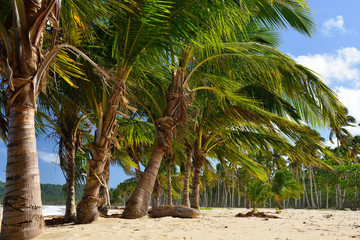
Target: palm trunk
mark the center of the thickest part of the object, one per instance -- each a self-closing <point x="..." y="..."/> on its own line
<point x="22" y="212"/>
<point x="327" y="197"/>
<point x="104" y="190"/>
<point x="156" y="193"/>
<point x="134" y="154"/>
<point x="199" y="160"/>
<point x="137" y="205"/>
<point x="70" y="210"/>
<point x="22" y="218"/>
<point x="233" y="192"/>
<point x="169" y="186"/>
<point x="87" y="209"/>
<point x="305" y="196"/>
<point x="185" y="196"/>
<point x="311" y="188"/>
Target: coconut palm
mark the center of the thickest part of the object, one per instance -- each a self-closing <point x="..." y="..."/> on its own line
<point x="258" y="192"/>
<point x="23" y="67"/>
<point x="175" y="112"/>
<point x="138" y="28"/>
<point x="343" y="136"/>
<point x="285" y="186"/>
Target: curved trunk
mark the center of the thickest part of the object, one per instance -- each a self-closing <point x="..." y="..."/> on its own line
<point x="87" y="209"/>
<point x="175" y="113"/>
<point x="70" y="210"/>
<point x="22" y="217"/>
<point x="185" y="197"/>
<point x="138" y="204"/>
<point x="199" y="160"/>
<point x="104" y="191"/>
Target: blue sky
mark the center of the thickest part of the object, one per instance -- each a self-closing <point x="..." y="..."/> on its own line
<point x="333" y="52"/>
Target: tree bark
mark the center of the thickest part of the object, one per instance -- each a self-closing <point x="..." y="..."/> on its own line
<point x="156" y="193"/>
<point x="70" y="210"/>
<point x="22" y="218"/>
<point x="199" y="160"/>
<point x="104" y="190"/>
<point x="87" y="209"/>
<point x="22" y="211"/>
<point x="185" y="196"/>
<point x="137" y="205"/>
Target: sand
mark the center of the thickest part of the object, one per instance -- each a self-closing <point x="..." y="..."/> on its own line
<point x="220" y="224"/>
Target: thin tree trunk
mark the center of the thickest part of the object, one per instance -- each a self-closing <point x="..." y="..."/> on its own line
<point x="304" y="188"/>
<point x="70" y="210"/>
<point x="22" y="217"/>
<point x="311" y="188"/>
<point x="199" y="160"/>
<point x="336" y="198"/>
<point x="233" y="192"/>
<point x="185" y="196"/>
<point x="315" y="188"/>
<point x="168" y="172"/>
<point x="327" y="197"/>
<point x="156" y="193"/>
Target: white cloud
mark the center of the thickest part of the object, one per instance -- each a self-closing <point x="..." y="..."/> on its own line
<point x="350" y="97"/>
<point x="342" y="66"/>
<point x="334" y="24"/>
<point x="330" y="144"/>
<point x="48" y="157"/>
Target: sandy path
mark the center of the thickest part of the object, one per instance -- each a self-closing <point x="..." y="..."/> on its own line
<point x="220" y="224"/>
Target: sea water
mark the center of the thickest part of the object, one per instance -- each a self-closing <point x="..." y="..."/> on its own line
<point x="53" y="210"/>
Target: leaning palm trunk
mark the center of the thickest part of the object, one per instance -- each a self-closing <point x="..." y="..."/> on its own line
<point x="87" y="209"/>
<point x="185" y="197"/>
<point x="199" y="160"/>
<point x="137" y="205"/>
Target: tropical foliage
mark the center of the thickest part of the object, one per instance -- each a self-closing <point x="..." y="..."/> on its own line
<point x="133" y="82"/>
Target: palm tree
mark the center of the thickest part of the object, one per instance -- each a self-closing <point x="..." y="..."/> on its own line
<point x="23" y="67"/>
<point x="258" y="192"/>
<point x="138" y="28"/>
<point x="343" y="136"/>
<point x="285" y="186"/>
<point x="175" y="111"/>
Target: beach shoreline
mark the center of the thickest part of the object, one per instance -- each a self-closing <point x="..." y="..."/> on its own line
<point x="218" y="223"/>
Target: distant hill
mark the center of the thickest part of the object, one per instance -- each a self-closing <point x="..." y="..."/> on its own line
<point x="51" y="194"/>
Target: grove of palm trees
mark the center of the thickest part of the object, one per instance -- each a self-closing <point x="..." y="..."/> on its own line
<point x="193" y="99"/>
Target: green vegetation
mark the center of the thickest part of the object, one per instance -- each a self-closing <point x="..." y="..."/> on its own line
<point x="51" y="194"/>
<point x="177" y="85"/>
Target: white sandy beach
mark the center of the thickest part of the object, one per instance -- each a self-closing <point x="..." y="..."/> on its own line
<point x="220" y="224"/>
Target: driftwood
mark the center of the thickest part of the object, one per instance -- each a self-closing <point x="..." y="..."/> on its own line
<point x="174" y="211"/>
<point x="256" y="214"/>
